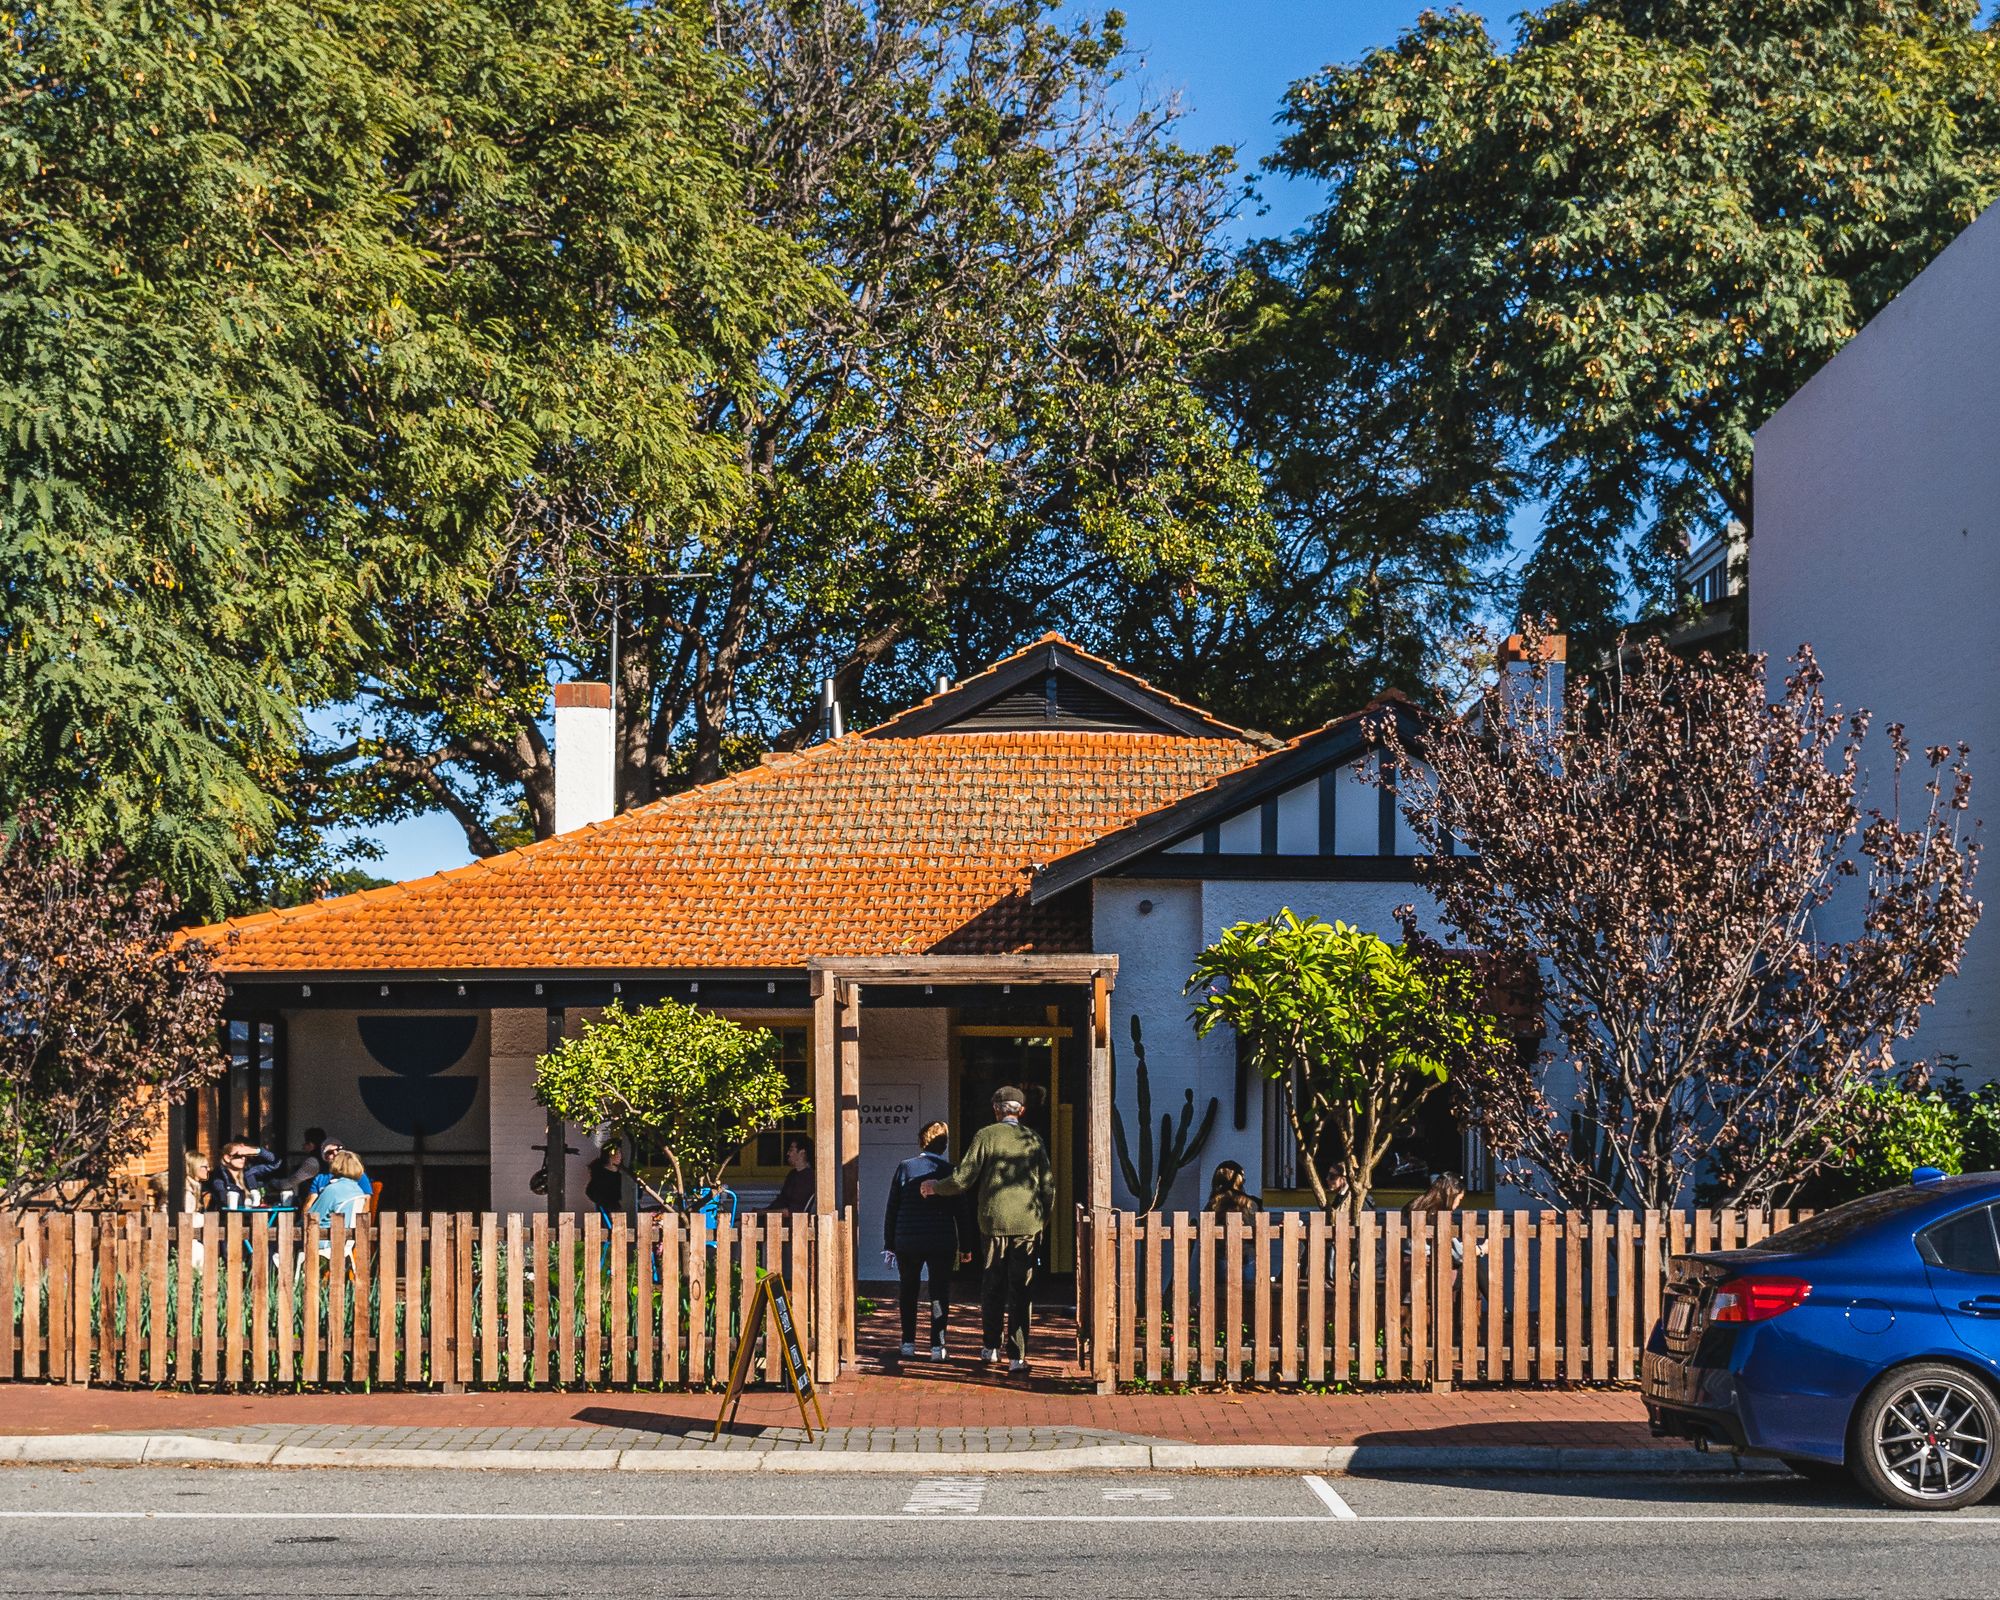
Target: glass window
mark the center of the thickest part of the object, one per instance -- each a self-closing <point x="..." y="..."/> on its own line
<point x="767" y="1150"/>
<point x="1964" y="1243"/>
<point x="1837" y="1226"/>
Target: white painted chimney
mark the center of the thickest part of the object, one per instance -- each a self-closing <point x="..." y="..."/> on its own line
<point x="583" y="755"/>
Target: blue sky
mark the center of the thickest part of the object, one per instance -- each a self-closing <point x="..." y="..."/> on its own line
<point x="1230" y="61"/>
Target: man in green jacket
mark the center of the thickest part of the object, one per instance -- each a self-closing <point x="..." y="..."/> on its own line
<point x="1007" y="1167"/>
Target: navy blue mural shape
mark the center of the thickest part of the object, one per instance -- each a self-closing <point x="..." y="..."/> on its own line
<point x="416" y="1050"/>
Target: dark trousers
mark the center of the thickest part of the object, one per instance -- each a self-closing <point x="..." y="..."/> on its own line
<point x="1003" y="1291"/>
<point x="910" y="1268"/>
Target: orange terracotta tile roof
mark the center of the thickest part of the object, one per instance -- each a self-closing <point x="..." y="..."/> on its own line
<point x="864" y="846"/>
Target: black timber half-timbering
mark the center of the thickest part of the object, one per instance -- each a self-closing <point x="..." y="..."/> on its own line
<point x="1058" y="701"/>
<point x="1226" y="864"/>
<point x="1155" y="845"/>
<point x="1053" y="685"/>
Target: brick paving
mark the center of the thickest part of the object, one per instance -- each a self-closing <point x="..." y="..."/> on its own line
<point x="886" y="1405"/>
<point x="864" y="1412"/>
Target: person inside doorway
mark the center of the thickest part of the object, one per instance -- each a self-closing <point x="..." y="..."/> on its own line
<point x="801" y="1187"/>
<point x="1007" y="1167"/>
<point x="920" y="1236"/>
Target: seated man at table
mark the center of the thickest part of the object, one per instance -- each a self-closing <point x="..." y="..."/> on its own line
<point x="311" y="1163"/>
<point x="345" y="1187"/>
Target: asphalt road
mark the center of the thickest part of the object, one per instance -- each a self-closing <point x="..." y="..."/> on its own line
<point x="216" y="1531"/>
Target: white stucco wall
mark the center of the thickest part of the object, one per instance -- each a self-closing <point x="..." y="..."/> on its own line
<point x="901" y="1051"/>
<point x="1877" y="541"/>
<point x="517" y="1122"/>
<point x="1156" y="951"/>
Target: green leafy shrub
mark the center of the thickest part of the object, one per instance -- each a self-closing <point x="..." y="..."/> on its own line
<point x="1883" y="1133"/>
<point x="692" y="1083"/>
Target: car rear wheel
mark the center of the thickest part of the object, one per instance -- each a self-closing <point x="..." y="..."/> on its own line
<point x="1927" y="1437"/>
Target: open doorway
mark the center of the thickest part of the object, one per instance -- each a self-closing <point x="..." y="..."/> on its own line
<point x="1029" y="1056"/>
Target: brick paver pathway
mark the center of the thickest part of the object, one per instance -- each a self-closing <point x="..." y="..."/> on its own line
<point x="886" y="1405"/>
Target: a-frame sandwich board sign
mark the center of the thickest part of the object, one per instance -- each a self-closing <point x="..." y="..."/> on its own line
<point x="771" y="1292"/>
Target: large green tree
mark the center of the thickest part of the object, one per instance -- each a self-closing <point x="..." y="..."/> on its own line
<point x="310" y="307"/>
<point x="1617" y="246"/>
<point x="194" y="242"/>
<point x="970" y="415"/>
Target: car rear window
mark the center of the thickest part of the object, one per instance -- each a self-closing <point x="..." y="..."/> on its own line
<point x="1964" y="1243"/>
<point x="1842" y="1223"/>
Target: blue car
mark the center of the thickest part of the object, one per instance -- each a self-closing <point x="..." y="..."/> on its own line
<point x="1863" y="1341"/>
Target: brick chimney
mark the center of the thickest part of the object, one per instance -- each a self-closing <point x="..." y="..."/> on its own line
<point x="583" y="755"/>
<point x="1518" y="670"/>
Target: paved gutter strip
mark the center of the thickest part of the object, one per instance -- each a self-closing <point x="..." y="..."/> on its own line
<point x="1340" y="1460"/>
<point x="182" y="1447"/>
<point x="293" y="1455"/>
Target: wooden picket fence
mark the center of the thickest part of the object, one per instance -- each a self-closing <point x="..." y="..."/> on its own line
<point x="1441" y="1298"/>
<point x="440" y="1300"/>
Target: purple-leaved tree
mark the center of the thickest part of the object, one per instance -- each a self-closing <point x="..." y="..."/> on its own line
<point x="1729" y="941"/>
<point x="104" y="1015"/>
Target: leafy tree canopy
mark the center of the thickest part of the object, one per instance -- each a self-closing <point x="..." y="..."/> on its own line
<point x="969" y="412"/>
<point x="1605" y="255"/>
<point x="195" y="235"/>
<point x="305" y="301"/>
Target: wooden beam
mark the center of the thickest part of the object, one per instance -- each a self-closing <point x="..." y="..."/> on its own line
<point x="847" y="1001"/>
<point x="1097" y="1153"/>
<point x="826" y="1125"/>
<point x="1078" y="968"/>
<point x="825" y="1095"/>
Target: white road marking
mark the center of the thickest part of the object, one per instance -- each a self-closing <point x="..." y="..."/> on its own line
<point x="1138" y="1494"/>
<point x="1832" y="1519"/>
<point x="961" y="1497"/>
<point x="1333" y="1503"/>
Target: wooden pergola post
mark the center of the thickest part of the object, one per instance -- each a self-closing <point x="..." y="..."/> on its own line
<point x="1097" y="1186"/>
<point x="1097" y="1149"/>
<point x="847" y="1000"/>
<point x="826" y="1245"/>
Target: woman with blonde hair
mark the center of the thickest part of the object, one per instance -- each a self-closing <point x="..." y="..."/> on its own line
<point x="920" y="1235"/>
<point x="343" y="1188"/>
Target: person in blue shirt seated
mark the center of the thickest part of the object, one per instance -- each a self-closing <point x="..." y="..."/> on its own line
<point x="346" y="1184"/>
<point x="327" y="1151"/>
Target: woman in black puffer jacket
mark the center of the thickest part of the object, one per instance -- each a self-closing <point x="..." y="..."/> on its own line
<point x="920" y="1235"/>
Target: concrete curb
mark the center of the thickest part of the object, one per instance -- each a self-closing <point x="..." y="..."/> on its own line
<point x="1342" y="1460"/>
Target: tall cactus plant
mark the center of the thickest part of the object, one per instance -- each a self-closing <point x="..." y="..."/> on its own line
<point x="1151" y="1180"/>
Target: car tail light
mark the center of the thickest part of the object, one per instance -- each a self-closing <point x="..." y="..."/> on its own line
<point x="1756" y="1299"/>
